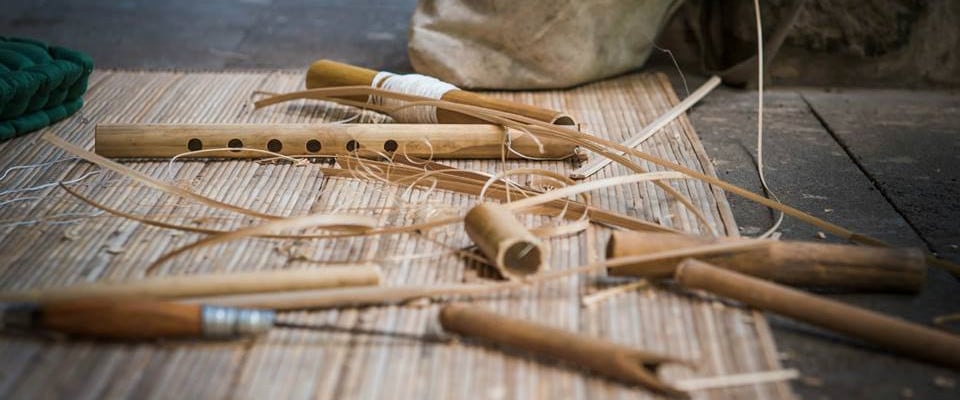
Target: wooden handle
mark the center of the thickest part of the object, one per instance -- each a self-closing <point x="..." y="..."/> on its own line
<point x="475" y="141"/>
<point x="505" y="241"/>
<point x="613" y="360"/>
<point x="893" y="333"/>
<point x="122" y="320"/>
<point x="168" y="287"/>
<point x="326" y="73"/>
<point x="857" y="268"/>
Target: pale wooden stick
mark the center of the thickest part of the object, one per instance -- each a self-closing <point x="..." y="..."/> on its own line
<point x="335" y="298"/>
<point x="723" y="381"/>
<point x="602" y="295"/>
<point x="655" y="126"/>
<point x="167" y="287"/>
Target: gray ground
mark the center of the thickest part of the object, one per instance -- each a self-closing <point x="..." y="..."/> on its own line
<point x="882" y="162"/>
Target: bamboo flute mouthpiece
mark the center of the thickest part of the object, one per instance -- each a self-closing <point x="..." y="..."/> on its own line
<point x="426" y="141"/>
<point x="508" y="245"/>
<point x="820" y="265"/>
<point x="326" y="73"/>
<point x="168" y="287"/>
<point x="908" y="339"/>
<point x="610" y="359"/>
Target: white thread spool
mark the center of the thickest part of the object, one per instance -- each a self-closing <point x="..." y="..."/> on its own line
<point x="412" y="84"/>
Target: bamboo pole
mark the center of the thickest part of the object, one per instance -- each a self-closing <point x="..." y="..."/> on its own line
<point x="610" y="359"/>
<point x="895" y="334"/>
<point x="451" y="141"/>
<point x="326" y="73"/>
<point x="819" y="265"/>
<point x="168" y="287"/>
<point x="508" y="245"/>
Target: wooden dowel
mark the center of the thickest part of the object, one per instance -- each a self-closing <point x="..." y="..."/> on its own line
<point x="508" y="245"/>
<point x="168" y="287"/>
<point x="908" y="339"/>
<point x="472" y="141"/>
<point x="820" y="265"/>
<point x="610" y="359"/>
<point x="326" y="73"/>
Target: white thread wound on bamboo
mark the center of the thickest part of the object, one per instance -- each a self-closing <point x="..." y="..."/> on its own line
<point x="412" y="84"/>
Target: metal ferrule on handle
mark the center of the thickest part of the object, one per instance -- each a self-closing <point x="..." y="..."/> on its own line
<point x="224" y="322"/>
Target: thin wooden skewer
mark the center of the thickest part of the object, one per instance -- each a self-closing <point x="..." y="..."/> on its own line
<point x="633" y="141"/>
<point x="168" y="287"/>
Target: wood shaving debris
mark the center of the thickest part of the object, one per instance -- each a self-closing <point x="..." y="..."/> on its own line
<point x="944" y="382"/>
<point x="821" y="235"/>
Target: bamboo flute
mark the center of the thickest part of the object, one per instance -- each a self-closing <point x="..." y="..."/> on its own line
<point x="821" y="265"/>
<point x="607" y="358"/>
<point x="508" y="245"/>
<point x="168" y="287"/>
<point x="908" y="339"/>
<point x="450" y="141"/>
<point x="326" y="73"/>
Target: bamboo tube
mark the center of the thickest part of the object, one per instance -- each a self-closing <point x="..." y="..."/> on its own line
<point x="895" y="334"/>
<point x="326" y="73"/>
<point x="472" y="141"/>
<point x="820" y="265"/>
<point x="612" y="360"/>
<point x="508" y="245"/>
<point x="167" y="287"/>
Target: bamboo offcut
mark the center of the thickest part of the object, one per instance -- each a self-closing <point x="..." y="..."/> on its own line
<point x="820" y="265"/>
<point x="450" y="141"/>
<point x="508" y="245"/>
<point x="168" y="287"/>
<point x="326" y="73"/>
<point x="895" y="334"/>
<point x="610" y="359"/>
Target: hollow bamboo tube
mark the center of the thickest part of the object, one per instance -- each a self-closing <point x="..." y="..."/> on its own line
<point x="326" y="73"/>
<point x="855" y="268"/>
<point x="451" y="141"/>
<point x="168" y="287"/>
<point x="895" y="334"/>
<point x="508" y="245"/>
<point x="610" y="359"/>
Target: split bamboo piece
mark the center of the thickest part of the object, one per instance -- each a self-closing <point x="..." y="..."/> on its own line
<point x="900" y="336"/>
<point x="821" y="265"/>
<point x="610" y="359"/>
<point x="168" y="287"/>
<point x="508" y="245"/>
<point x="326" y="73"/>
<point x="450" y="141"/>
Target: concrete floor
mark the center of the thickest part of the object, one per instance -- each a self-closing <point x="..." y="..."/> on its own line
<point x="884" y="163"/>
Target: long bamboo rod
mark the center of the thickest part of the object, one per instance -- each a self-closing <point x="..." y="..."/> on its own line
<point x="900" y="336"/>
<point x="449" y="141"/>
<point x="806" y="264"/>
<point x="326" y="73"/>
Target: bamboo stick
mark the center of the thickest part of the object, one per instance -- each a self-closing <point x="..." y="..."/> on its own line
<point x="508" y="245"/>
<point x="610" y="359"/>
<point x="168" y="287"/>
<point x="909" y="339"/>
<point x="819" y="265"/>
<point x="326" y="73"/>
<point x="451" y="141"/>
<point x="336" y="298"/>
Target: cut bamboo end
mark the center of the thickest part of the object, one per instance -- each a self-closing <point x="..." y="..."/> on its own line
<point x="508" y="245"/>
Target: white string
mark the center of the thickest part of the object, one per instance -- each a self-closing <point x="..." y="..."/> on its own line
<point x="48" y="185"/>
<point x="412" y="84"/>
<point x="763" y="180"/>
<point x="31" y="166"/>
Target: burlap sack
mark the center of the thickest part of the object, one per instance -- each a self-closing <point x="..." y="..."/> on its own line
<point x="533" y="44"/>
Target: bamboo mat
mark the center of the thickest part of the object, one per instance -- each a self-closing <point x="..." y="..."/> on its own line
<point x="50" y="239"/>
